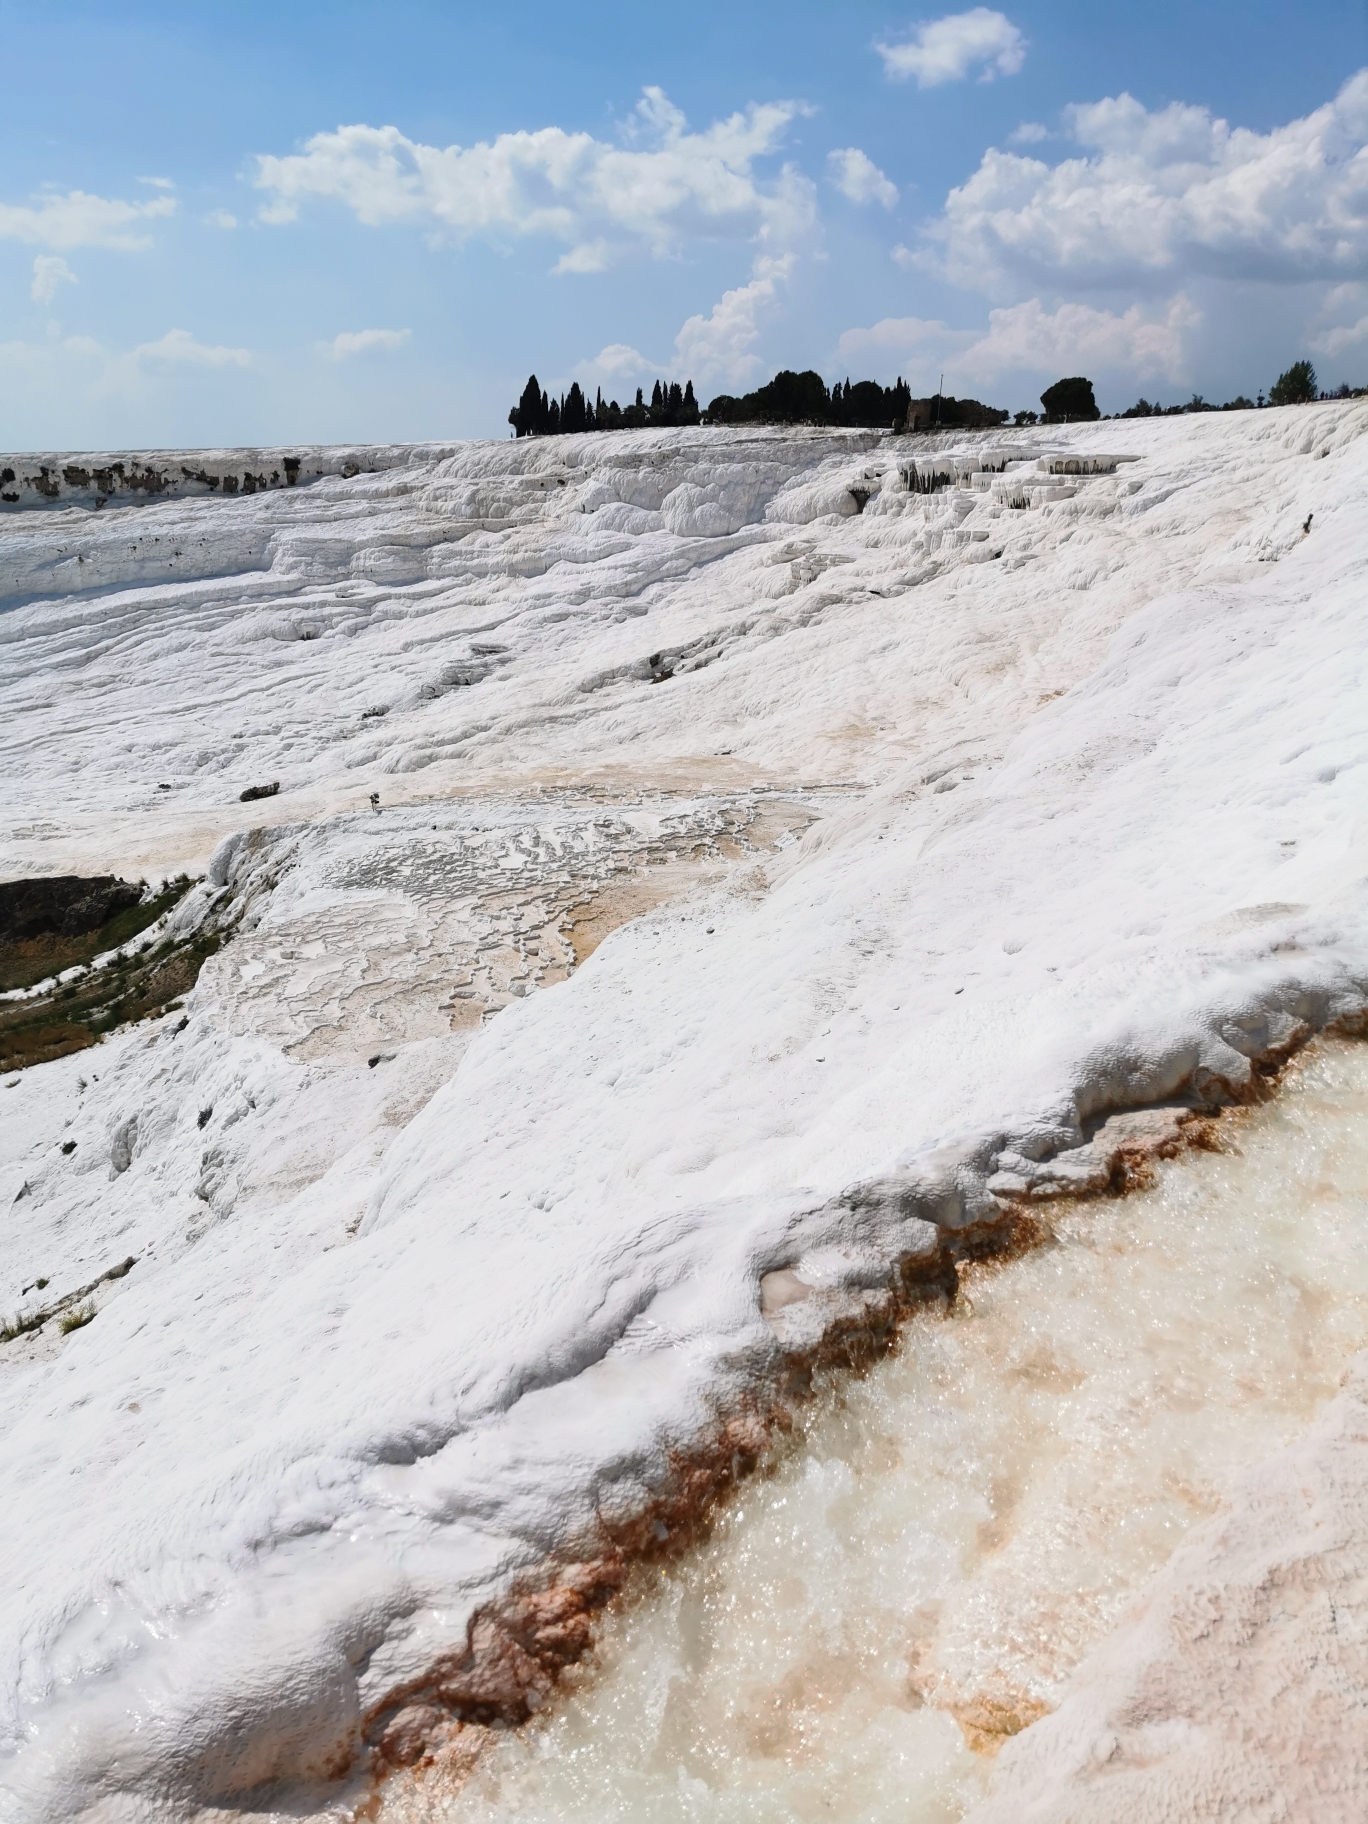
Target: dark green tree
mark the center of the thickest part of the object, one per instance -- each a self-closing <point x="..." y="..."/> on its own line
<point x="1069" y="400"/>
<point x="791" y="399"/>
<point x="572" y="410"/>
<point x="526" y="414"/>
<point x="1296" y="387"/>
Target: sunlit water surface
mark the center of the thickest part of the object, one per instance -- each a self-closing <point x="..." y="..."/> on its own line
<point x="959" y="1527"/>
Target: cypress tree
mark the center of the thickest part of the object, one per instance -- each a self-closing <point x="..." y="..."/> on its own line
<point x="657" y="402"/>
<point x="526" y="413"/>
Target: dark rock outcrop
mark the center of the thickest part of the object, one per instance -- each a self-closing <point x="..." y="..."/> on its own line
<point x="63" y="905"/>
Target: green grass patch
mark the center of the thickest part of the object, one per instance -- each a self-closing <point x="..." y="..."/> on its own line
<point x="98" y="1002"/>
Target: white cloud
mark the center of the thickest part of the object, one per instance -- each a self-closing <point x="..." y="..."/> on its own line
<point x="80" y="220"/>
<point x="1029" y="133"/>
<point x="178" y="348"/>
<point x="80" y="393"/>
<point x="49" y="271"/>
<point x="1026" y="338"/>
<point x="906" y="337"/>
<point x="1344" y="335"/>
<point x="664" y="183"/>
<point x="1177" y="190"/>
<point x="719" y="346"/>
<point x="1078" y="339"/>
<point x="220" y="218"/>
<point x="859" y="178"/>
<point x="716" y="348"/>
<point x="618" y="361"/>
<point x="589" y="256"/>
<point x="1334" y="338"/>
<point x="157" y="183"/>
<point x="362" y="341"/>
<point x="946" y="50"/>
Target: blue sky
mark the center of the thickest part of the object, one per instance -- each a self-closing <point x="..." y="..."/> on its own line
<point x="261" y="224"/>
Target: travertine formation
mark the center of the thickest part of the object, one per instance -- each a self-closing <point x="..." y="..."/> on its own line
<point x="837" y="842"/>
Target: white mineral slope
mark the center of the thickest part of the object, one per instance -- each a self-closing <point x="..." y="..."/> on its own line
<point x="1108" y="843"/>
<point x="500" y="609"/>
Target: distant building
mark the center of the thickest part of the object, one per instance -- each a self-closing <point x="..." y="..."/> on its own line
<point x="952" y="414"/>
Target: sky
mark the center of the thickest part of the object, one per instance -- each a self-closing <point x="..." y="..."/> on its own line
<point x="318" y="223"/>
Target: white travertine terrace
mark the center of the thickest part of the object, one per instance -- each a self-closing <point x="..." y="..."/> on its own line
<point x="903" y="844"/>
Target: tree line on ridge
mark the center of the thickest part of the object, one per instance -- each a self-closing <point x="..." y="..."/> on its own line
<point x="804" y="398"/>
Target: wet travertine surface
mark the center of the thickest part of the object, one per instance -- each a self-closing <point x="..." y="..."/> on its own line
<point x="956" y="1530"/>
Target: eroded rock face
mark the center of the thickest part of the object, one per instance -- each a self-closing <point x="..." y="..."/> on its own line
<point x="64" y="905"/>
<point x="52" y="480"/>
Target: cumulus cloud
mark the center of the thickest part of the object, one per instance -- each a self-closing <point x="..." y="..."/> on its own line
<point x="713" y="347"/>
<point x="49" y="271"/>
<point x="618" y="361"/>
<point x="1344" y="335"/>
<point x="947" y="50"/>
<point x="1174" y="189"/>
<point x="1076" y="337"/>
<point x="1333" y="338"/>
<point x="720" y="346"/>
<point x="1027" y="338"/>
<point x="178" y="348"/>
<point x="363" y="341"/>
<point x="661" y="184"/>
<point x="859" y="178"/>
<point x="80" y="220"/>
<point x="221" y="218"/>
<point x="907" y="338"/>
<point x="589" y="256"/>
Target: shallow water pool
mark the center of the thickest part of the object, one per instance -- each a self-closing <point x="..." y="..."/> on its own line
<point x="916" y="1579"/>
